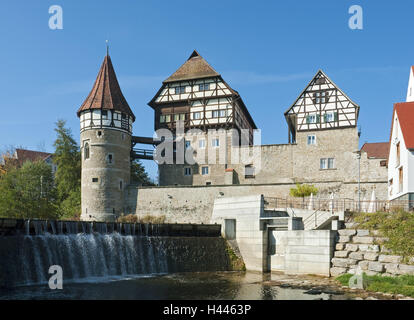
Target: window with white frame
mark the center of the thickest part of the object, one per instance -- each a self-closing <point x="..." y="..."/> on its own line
<point x="202" y="143"/>
<point x="204" y="171"/>
<point x="223" y="113"/>
<point x="327" y="163"/>
<point x="329" y="117"/>
<point x="215" y="114"/>
<point x="311" y="139"/>
<point x="311" y="118"/>
<point x="215" y="142"/>
<point x="197" y="115"/>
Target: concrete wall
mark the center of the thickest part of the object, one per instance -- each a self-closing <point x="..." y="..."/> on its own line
<point x="252" y="241"/>
<point x="303" y="251"/>
<point x="194" y="204"/>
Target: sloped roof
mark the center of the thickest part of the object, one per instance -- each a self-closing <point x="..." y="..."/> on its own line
<point x="194" y="68"/>
<point x="377" y="150"/>
<point x="405" y="114"/>
<point x="318" y="75"/>
<point x="23" y="155"/>
<point x="106" y="93"/>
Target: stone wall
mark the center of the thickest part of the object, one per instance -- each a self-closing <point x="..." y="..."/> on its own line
<point x="194" y="204"/>
<point x="363" y="251"/>
<point x="285" y="163"/>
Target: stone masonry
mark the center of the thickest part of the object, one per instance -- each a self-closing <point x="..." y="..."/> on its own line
<point x="363" y="251"/>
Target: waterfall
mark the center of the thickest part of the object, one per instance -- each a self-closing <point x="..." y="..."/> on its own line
<point x="26" y="258"/>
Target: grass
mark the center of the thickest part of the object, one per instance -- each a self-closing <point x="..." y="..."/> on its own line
<point x="396" y="285"/>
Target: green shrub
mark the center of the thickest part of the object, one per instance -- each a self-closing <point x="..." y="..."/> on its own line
<point x="397" y="226"/>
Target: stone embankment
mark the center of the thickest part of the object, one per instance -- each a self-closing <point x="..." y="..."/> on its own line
<point x="359" y="250"/>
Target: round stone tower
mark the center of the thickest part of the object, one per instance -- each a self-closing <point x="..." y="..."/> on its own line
<point x="105" y="139"/>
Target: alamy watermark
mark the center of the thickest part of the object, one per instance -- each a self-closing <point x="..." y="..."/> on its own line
<point x="56" y="18"/>
<point x="356" y="21"/>
<point x="56" y="280"/>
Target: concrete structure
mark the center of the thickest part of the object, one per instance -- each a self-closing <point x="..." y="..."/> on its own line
<point x="270" y="241"/>
<point x="106" y="128"/>
<point x="194" y="204"/>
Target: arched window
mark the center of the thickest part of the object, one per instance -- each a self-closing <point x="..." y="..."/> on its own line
<point x="86" y="151"/>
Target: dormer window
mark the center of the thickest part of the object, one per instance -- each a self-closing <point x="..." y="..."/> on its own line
<point x="179" y="90"/>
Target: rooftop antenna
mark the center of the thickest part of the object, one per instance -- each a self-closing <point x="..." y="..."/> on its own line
<point x="107" y="47"/>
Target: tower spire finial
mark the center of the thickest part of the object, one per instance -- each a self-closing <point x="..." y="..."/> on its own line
<point x="107" y="47"/>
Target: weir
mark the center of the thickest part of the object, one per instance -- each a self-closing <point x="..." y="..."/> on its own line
<point x="87" y="250"/>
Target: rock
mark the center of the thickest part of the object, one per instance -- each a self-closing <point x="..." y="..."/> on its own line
<point x="362" y="233"/>
<point x="340" y="246"/>
<point x="380" y="240"/>
<point x="391" y="268"/>
<point x="369" y="247"/>
<point x="351" y="247"/>
<point x="376" y="266"/>
<point x="313" y="291"/>
<point x="341" y="254"/>
<point x="405" y="269"/>
<point x="343" y="239"/>
<point x="352" y="262"/>
<point x="371" y="298"/>
<point x="371" y="273"/>
<point x="386" y="274"/>
<point x="358" y="298"/>
<point x="371" y="256"/>
<point x="357" y="256"/>
<point x="385" y="250"/>
<point x="340" y="262"/>
<point x="336" y="271"/>
<point x="411" y="261"/>
<point x="347" y="232"/>
<point x="389" y="259"/>
<point x="363" y="240"/>
<point x="375" y="233"/>
<point x="363" y="265"/>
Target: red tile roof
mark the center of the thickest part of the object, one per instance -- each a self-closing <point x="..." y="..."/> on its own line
<point x="29" y="155"/>
<point x="378" y="150"/>
<point x="405" y="114"/>
<point x="106" y="93"/>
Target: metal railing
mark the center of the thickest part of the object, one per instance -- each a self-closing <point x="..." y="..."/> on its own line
<point x="334" y="205"/>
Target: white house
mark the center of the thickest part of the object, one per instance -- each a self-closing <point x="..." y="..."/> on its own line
<point x="401" y="150"/>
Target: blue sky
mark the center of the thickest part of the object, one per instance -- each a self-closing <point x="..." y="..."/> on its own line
<point x="266" y="50"/>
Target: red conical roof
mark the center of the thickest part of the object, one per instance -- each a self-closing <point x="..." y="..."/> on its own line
<point x="106" y="93"/>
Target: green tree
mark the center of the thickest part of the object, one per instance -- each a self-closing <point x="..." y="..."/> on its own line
<point x="28" y="192"/>
<point x="139" y="175"/>
<point x="68" y="174"/>
<point x="303" y="190"/>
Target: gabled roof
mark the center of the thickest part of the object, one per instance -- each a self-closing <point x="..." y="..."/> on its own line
<point x="377" y="150"/>
<point x="320" y="74"/>
<point x="405" y="114"/>
<point x="106" y="93"/>
<point x="194" y="68"/>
